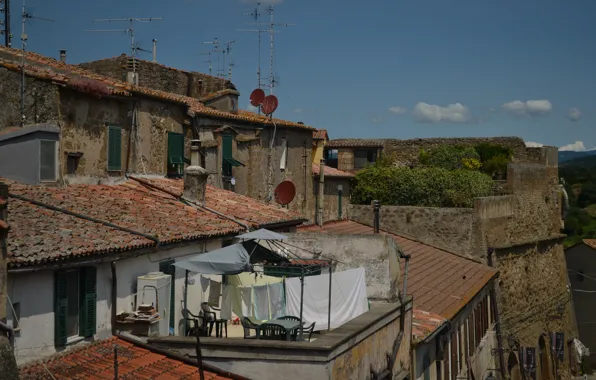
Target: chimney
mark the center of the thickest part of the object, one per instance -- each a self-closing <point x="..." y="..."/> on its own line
<point x="154" y="50"/>
<point x="321" y="195"/>
<point x="195" y="177"/>
<point x="376" y="216"/>
<point x="63" y="56"/>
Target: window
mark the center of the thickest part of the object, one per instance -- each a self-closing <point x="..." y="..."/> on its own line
<point x="114" y="148"/>
<point x="364" y="157"/>
<point x="228" y="162"/>
<point x="175" y="154"/>
<point x="48" y="160"/>
<point x="283" y="162"/>
<point x="330" y="156"/>
<point x="167" y="267"/>
<point x="75" y="304"/>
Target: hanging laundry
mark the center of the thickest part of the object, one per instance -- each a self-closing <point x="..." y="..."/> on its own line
<point x="277" y="301"/>
<point x="261" y="302"/>
<point x="204" y="284"/>
<point x="237" y="300"/>
<point x="214" y="293"/>
<point x="226" y="302"/>
<point x="252" y="279"/>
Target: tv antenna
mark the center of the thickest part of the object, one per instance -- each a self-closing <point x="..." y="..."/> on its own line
<point x="25" y="15"/>
<point x="256" y="14"/>
<point x="216" y="50"/>
<point x="227" y="50"/>
<point x="130" y="30"/>
<point x="5" y="25"/>
<point x="271" y="30"/>
<point x="209" y="60"/>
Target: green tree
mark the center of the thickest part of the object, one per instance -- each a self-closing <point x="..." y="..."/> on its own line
<point x="587" y="195"/>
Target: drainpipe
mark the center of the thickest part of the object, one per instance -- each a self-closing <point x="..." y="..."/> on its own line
<point x="114" y="296"/>
<point x="493" y="303"/>
<point x="407" y="264"/>
<point x="85" y="217"/>
<point x="178" y="197"/>
<point x="321" y="194"/>
<point x="340" y="190"/>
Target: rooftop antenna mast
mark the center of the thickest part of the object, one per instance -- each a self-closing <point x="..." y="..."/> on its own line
<point x="228" y="50"/>
<point x="256" y="14"/>
<point x="5" y="8"/>
<point x="271" y="30"/>
<point x="25" y="15"/>
<point x="130" y="30"/>
<point x="209" y="60"/>
<point x="217" y="50"/>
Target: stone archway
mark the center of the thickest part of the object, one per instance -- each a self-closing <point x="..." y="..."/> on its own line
<point x="545" y="368"/>
<point x="513" y="367"/>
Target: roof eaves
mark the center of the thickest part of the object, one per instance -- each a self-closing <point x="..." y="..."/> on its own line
<point x="16" y="132"/>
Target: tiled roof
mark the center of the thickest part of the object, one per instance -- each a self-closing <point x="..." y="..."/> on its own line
<point x="590" y="243"/>
<point x="248" y="210"/>
<point x="217" y="94"/>
<point x="441" y="282"/>
<point x="46" y="68"/>
<point x="320" y="134"/>
<point x="424" y="324"/>
<point x="355" y="143"/>
<point x="329" y="171"/>
<point x="41" y="235"/>
<point x="96" y="361"/>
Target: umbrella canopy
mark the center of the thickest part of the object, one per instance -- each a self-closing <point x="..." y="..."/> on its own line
<point x="232" y="259"/>
<point x="263" y="234"/>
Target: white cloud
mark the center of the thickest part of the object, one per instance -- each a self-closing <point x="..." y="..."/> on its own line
<point x="577" y="146"/>
<point x="430" y="113"/>
<point x="377" y="120"/>
<point x="397" y="110"/>
<point x="251" y="108"/>
<point x="532" y="144"/>
<point x="528" y="108"/>
<point x="575" y="114"/>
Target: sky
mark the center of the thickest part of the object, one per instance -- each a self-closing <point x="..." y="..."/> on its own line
<point x="378" y="69"/>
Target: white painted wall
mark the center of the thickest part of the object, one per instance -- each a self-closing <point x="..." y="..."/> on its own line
<point x="35" y="293"/>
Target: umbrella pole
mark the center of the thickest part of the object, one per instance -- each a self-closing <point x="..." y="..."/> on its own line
<point x="329" y="314"/>
<point x="301" y="301"/>
<point x="185" y="302"/>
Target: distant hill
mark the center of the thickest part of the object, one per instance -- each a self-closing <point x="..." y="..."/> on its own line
<point x="568" y="155"/>
<point x="581" y="162"/>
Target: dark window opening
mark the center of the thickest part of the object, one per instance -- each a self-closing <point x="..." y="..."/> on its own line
<point x="72" y="162"/>
<point x="167" y="267"/>
<point x="175" y="154"/>
<point x="363" y="157"/>
<point x="48" y="160"/>
<point x="330" y="156"/>
<point x="228" y="161"/>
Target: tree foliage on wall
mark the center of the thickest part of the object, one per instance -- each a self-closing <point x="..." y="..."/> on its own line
<point x="491" y="159"/>
<point x="422" y="186"/>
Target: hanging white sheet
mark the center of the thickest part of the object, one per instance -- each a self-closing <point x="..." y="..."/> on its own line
<point x="237" y="300"/>
<point x="348" y="297"/>
<point x="277" y="302"/>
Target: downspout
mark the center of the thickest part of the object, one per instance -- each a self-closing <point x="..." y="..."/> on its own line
<point x="187" y="202"/>
<point x="493" y="303"/>
<point x="85" y="217"/>
<point x="114" y="296"/>
<point x="321" y="193"/>
<point x="132" y="130"/>
<point x="270" y="168"/>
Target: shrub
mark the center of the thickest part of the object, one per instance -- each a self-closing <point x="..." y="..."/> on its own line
<point x="91" y="86"/>
<point x="449" y="157"/>
<point x="496" y="165"/>
<point x="494" y="157"/>
<point x="428" y="187"/>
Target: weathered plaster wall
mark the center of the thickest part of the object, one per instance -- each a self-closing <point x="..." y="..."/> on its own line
<point x="345" y="159"/>
<point x="41" y="100"/>
<point x="331" y="198"/>
<point x="35" y="293"/>
<point x="317" y="151"/>
<point x="377" y="254"/>
<point x="452" y="229"/>
<point x="160" y="77"/>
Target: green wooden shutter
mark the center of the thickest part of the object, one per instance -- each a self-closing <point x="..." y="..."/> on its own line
<point x="226" y="150"/>
<point x="60" y="308"/>
<point x="114" y="148"/>
<point x="167" y="267"/>
<point x="175" y="148"/>
<point x="88" y="292"/>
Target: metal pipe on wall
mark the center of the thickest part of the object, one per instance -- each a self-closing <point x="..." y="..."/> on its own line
<point x="329" y="314"/>
<point x="321" y="194"/>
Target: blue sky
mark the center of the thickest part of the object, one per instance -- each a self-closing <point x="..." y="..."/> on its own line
<point x="396" y="69"/>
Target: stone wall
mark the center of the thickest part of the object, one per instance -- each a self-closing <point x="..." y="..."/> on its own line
<point x="41" y="100"/>
<point x="160" y="77"/>
<point x="331" y="198"/>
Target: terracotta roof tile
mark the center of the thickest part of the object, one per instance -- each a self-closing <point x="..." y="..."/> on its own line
<point x="355" y="143"/>
<point x="41" y="235"/>
<point x="96" y="361"/>
<point x="424" y="324"/>
<point x="329" y="171"/>
<point x="46" y="68"/>
<point x="320" y="134"/>
<point x="249" y="210"/>
<point x="590" y="243"/>
<point x="441" y="282"/>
